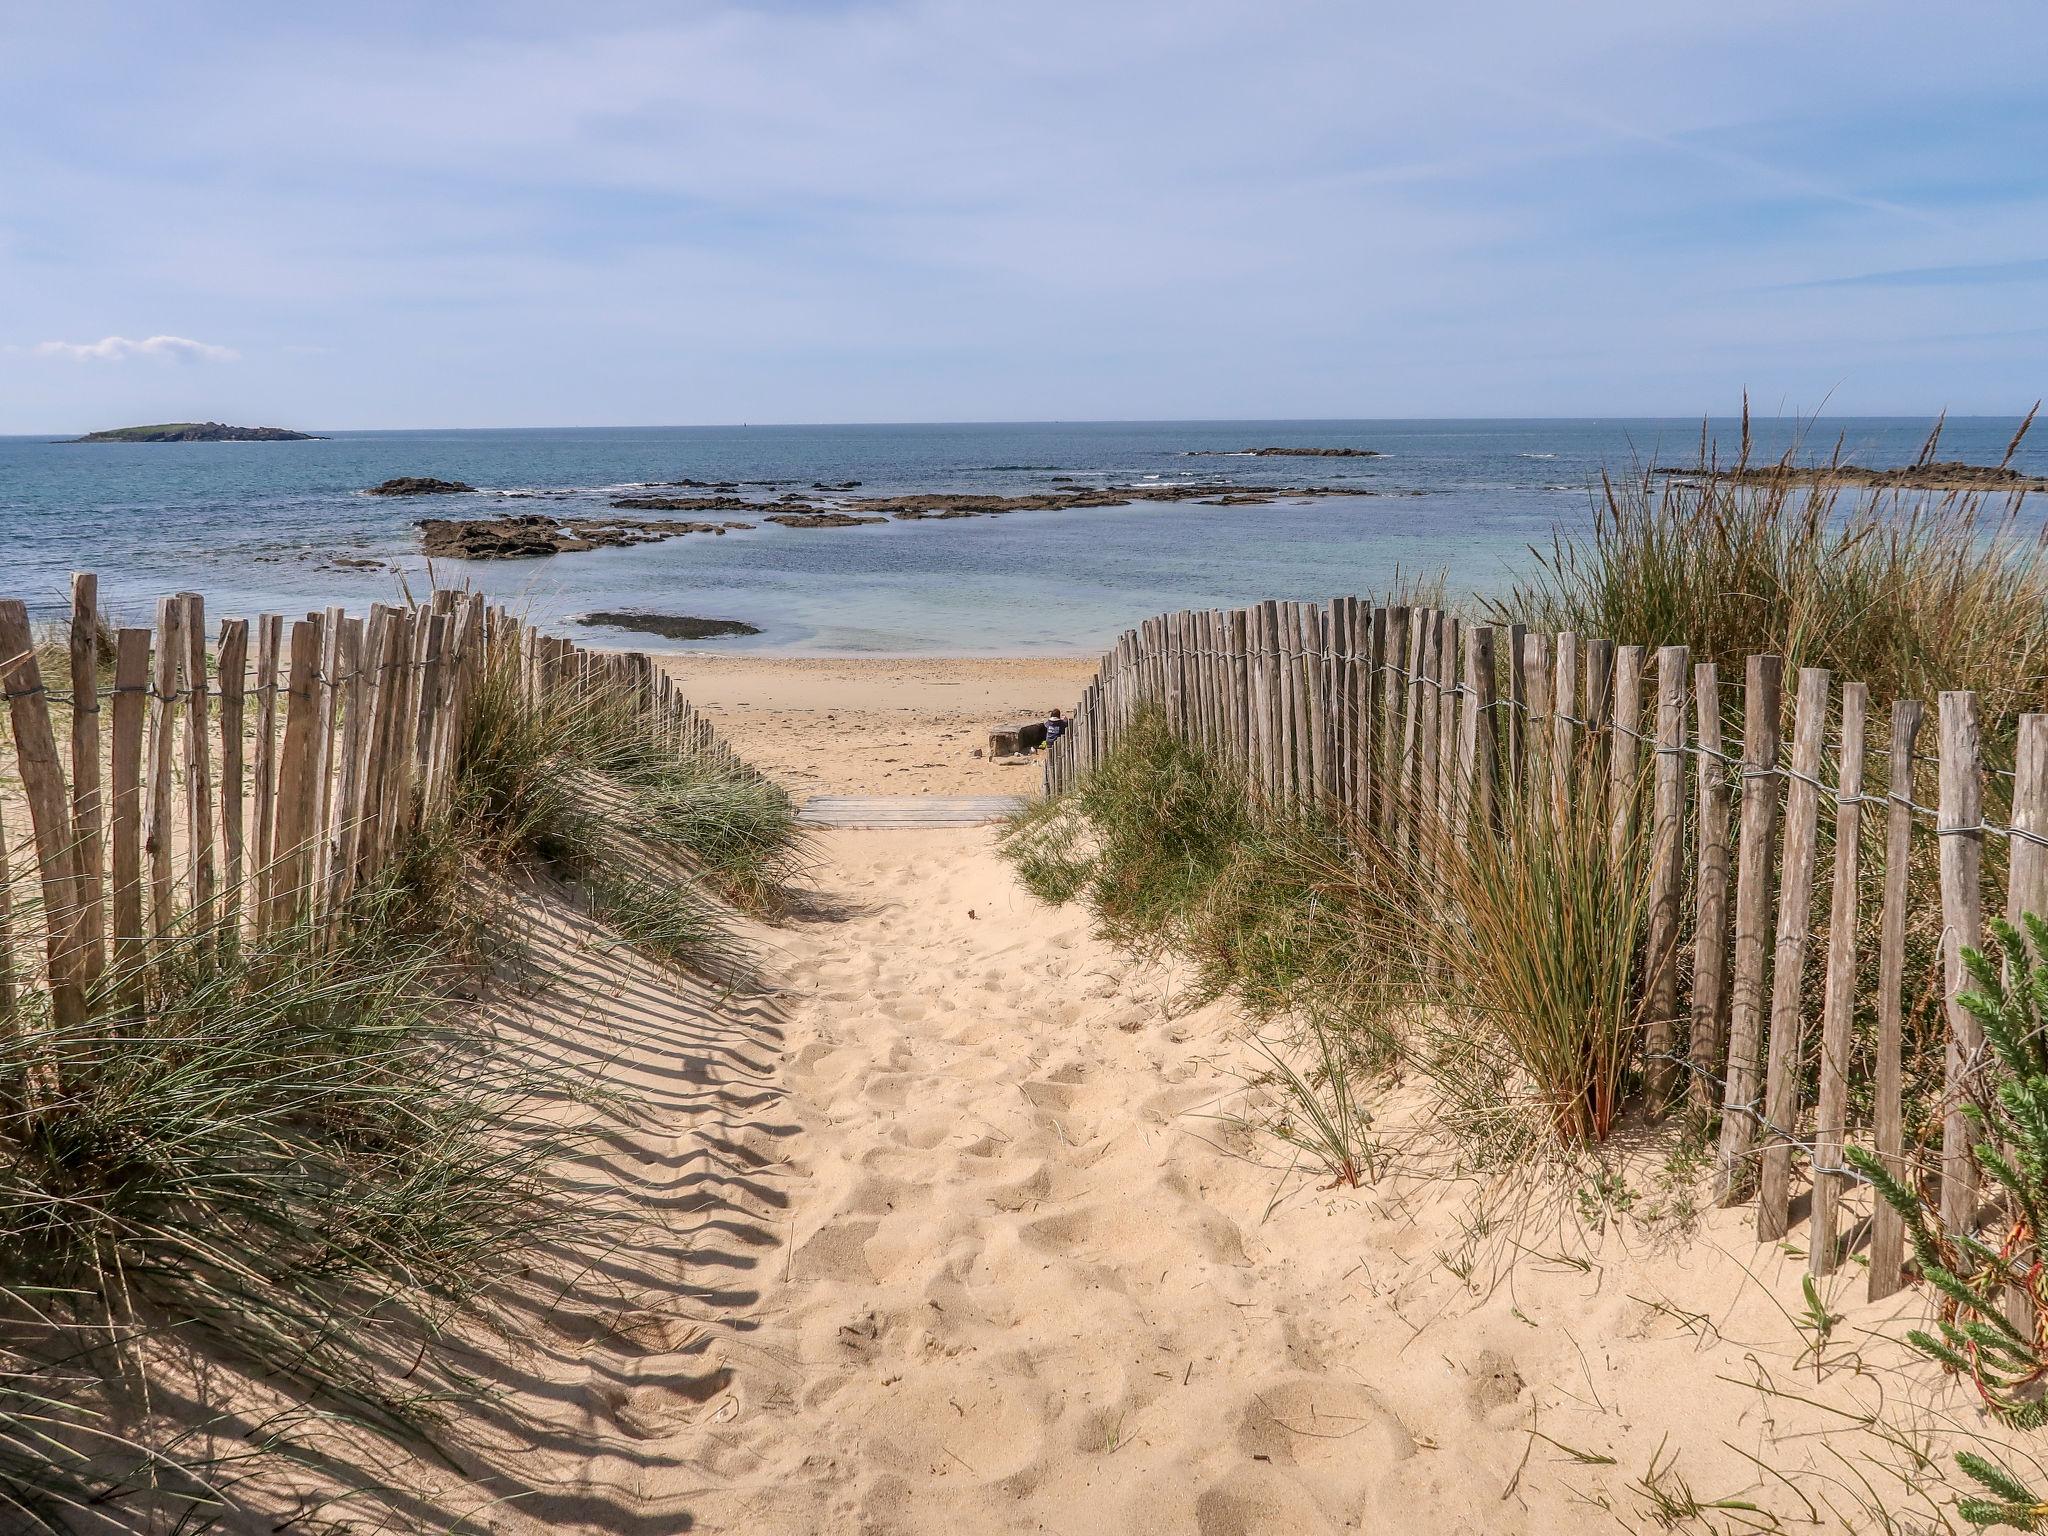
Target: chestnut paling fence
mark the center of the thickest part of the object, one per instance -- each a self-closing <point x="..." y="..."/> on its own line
<point x="205" y="790"/>
<point x="1390" y="716"/>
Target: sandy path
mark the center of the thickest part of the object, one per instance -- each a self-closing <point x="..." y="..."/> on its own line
<point x="1027" y="1281"/>
<point x="879" y="725"/>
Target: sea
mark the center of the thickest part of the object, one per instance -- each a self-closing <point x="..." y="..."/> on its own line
<point x="286" y="527"/>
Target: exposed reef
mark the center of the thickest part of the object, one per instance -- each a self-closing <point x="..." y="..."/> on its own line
<point x="531" y="535"/>
<point x="670" y="626"/>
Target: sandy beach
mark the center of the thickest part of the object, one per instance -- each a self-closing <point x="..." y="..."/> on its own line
<point x="879" y="725"/>
<point x="964" y="1225"/>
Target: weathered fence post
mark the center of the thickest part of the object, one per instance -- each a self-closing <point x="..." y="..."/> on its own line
<point x="1839" y="1011"/>
<point x="1788" y="961"/>
<point x="1760" y="745"/>
<point x="1887" y="1227"/>
<point x="1962" y="855"/>
<point x="88" y="812"/>
<point x="1710" y="898"/>
<point x="1667" y="865"/>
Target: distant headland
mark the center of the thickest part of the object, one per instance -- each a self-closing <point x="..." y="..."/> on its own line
<point x="196" y="432"/>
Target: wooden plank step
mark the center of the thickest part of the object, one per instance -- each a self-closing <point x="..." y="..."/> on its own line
<point x="907" y="810"/>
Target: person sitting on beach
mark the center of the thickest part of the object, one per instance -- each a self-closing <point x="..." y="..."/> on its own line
<point x="1055" y="727"/>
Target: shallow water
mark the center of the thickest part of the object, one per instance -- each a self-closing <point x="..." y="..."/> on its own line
<point x="257" y="526"/>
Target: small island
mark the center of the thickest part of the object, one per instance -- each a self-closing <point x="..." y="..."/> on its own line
<point x="198" y="432"/>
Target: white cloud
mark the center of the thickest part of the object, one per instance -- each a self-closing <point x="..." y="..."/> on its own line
<point x="114" y="349"/>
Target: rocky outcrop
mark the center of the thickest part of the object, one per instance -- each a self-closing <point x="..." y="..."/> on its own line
<point x="821" y="520"/>
<point x="670" y="626"/>
<point x="1284" y="453"/>
<point x="530" y="535"/>
<point x="1941" y="475"/>
<point x="945" y="504"/>
<point x="198" y="432"/>
<point x="420" y="485"/>
<point x="685" y="504"/>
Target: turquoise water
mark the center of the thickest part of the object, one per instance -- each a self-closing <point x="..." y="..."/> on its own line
<point x="257" y="526"/>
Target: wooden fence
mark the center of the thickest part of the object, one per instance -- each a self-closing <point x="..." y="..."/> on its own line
<point x="214" y="792"/>
<point x="1384" y="715"/>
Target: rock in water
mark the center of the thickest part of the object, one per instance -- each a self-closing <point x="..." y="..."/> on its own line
<point x="670" y="626"/>
<point x="1285" y="453"/>
<point x="532" y="534"/>
<point x="821" y="520"/>
<point x="488" y="538"/>
<point x="419" y="485"/>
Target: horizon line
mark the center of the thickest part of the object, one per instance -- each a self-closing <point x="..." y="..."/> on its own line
<point x="1080" y="421"/>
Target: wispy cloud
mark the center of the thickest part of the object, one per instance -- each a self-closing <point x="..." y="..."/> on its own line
<point x="1963" y="275"/>
<point x="115" y="349"/>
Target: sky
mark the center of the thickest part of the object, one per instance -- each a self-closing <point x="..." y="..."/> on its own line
<point x="513" y="214"/>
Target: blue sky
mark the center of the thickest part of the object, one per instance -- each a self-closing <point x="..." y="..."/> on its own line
<point x="611" y="213"/>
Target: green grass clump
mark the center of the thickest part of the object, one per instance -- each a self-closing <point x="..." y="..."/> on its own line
<point x="1528" y="940"/>
<point x="668" y="920"/>
<point x="1164" y="825"/>
<point x="1910" y="592"/>
<point x="293" y="1158"/>
<point x="740" y="831"/>
<point x="1170" y="854"/>
<point x="553" y="780"/>
<point x="1508" y="977"/>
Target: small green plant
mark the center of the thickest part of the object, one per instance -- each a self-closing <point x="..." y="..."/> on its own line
<point x="2012" y="1502"/>
<point x="1975" y="1337"/>
<point x="1668" y="1499"/>
<point x="1608" y="1192"/>
<point x="1321" y="1115"/>
<point x="1816" y="1322"/>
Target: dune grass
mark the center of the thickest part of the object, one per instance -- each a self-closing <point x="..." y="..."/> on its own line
<point x="1507" y="981"/>
<point x="302" y="1159"/>
<point x="553" y="780"/>
<point x="295" y="1158"/>
<point x="1909" y="592"/>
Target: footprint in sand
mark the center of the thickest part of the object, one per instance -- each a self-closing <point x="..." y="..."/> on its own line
<point x="648" y="1411"/>
<point x="1256" y="1501"/>
<point x="836" y="1251"/>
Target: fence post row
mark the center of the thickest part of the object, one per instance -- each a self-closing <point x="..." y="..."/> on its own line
<point x="1403" y="722"/>
<point x="183" y="821"/>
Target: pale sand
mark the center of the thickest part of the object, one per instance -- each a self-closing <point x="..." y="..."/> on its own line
<point x="956" y="1235"/>
<point x="895" y="726"/>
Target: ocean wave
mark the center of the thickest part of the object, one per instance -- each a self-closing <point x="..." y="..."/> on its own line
<point x="1535" y="455"/>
